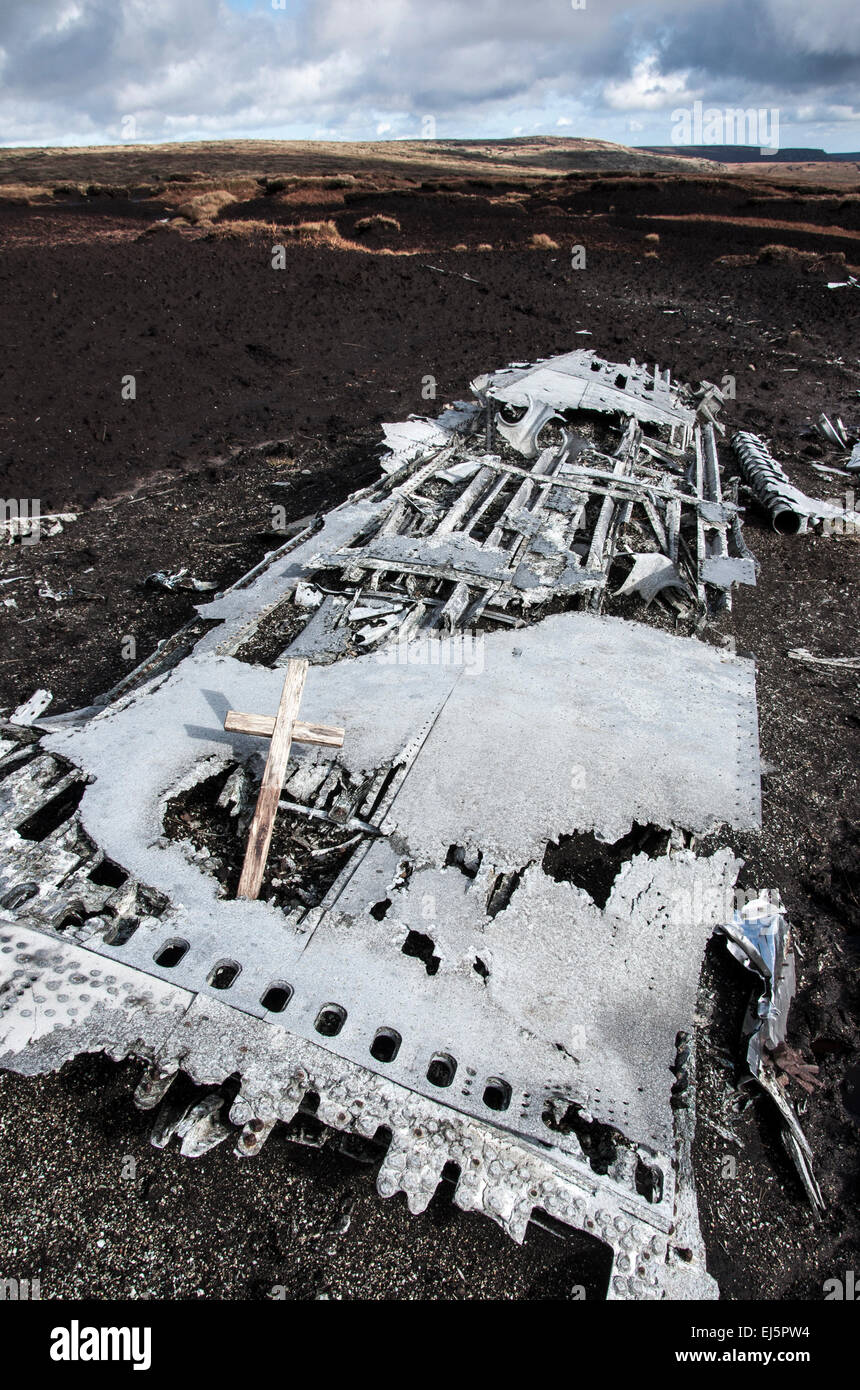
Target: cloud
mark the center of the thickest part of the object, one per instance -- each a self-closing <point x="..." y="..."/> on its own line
<point x="648" y="89"/>
<point x="788" y="47"/>
<point x="71" y="70"/>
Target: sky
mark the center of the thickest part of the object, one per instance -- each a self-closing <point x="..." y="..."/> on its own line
<point x="93" y="72"/>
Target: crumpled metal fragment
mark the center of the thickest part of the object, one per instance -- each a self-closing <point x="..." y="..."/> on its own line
<point x="180" y="579"/>
<point x="651" y="574"/>
<point x="29" y="711"/>
<point x="759" y="936"/>
<point x="834" y="433"/>
<point x="523" y="433"/>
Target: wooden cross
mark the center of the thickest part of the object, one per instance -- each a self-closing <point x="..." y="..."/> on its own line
<point x="281" y="730"/>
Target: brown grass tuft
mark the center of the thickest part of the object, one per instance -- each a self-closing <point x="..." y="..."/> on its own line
<point x="290" y="183"/>
<point x="206" y="206"/>
<point x="238" y="230"/>
<point x="310" y="197"/>
<point x="379" y="222"/>
<point x="775" y="253"/>
<point x="24" y="194"/>
<point x="317" y="234"/>
<point x="327" y="234"/>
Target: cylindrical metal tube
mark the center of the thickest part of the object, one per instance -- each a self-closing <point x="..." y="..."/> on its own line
<point x="769" y="481"/>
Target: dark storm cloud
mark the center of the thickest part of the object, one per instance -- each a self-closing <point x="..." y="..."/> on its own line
<point x="770" y="45"/>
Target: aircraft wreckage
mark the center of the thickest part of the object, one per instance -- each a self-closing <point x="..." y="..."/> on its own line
<point x="480" y="935"/>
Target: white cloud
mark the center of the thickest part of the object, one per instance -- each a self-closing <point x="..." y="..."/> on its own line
<point x="69" y="15"/>
<point x="827" y="113"/>
<point x="648" y="89"/>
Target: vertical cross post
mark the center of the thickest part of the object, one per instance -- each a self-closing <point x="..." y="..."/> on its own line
<point x="263" y="823"/>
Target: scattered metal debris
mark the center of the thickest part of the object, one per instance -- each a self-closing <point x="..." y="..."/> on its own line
<point x="850" y="663"/>
<point x="842" y="438"/>
<point x="30" y="526"/>
<point x="58" y="595"/>
<point x="459" y="273"/>
<point x="180" y="579"/>
<point x="833" y="433"/>
<point x="759" y="936"/>
<point x="29" y="712"/>
<point x="498" y="965"/>
<point x="826" y="472"/>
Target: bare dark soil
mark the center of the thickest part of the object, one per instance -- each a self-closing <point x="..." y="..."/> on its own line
<point x="259" y="388"/>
